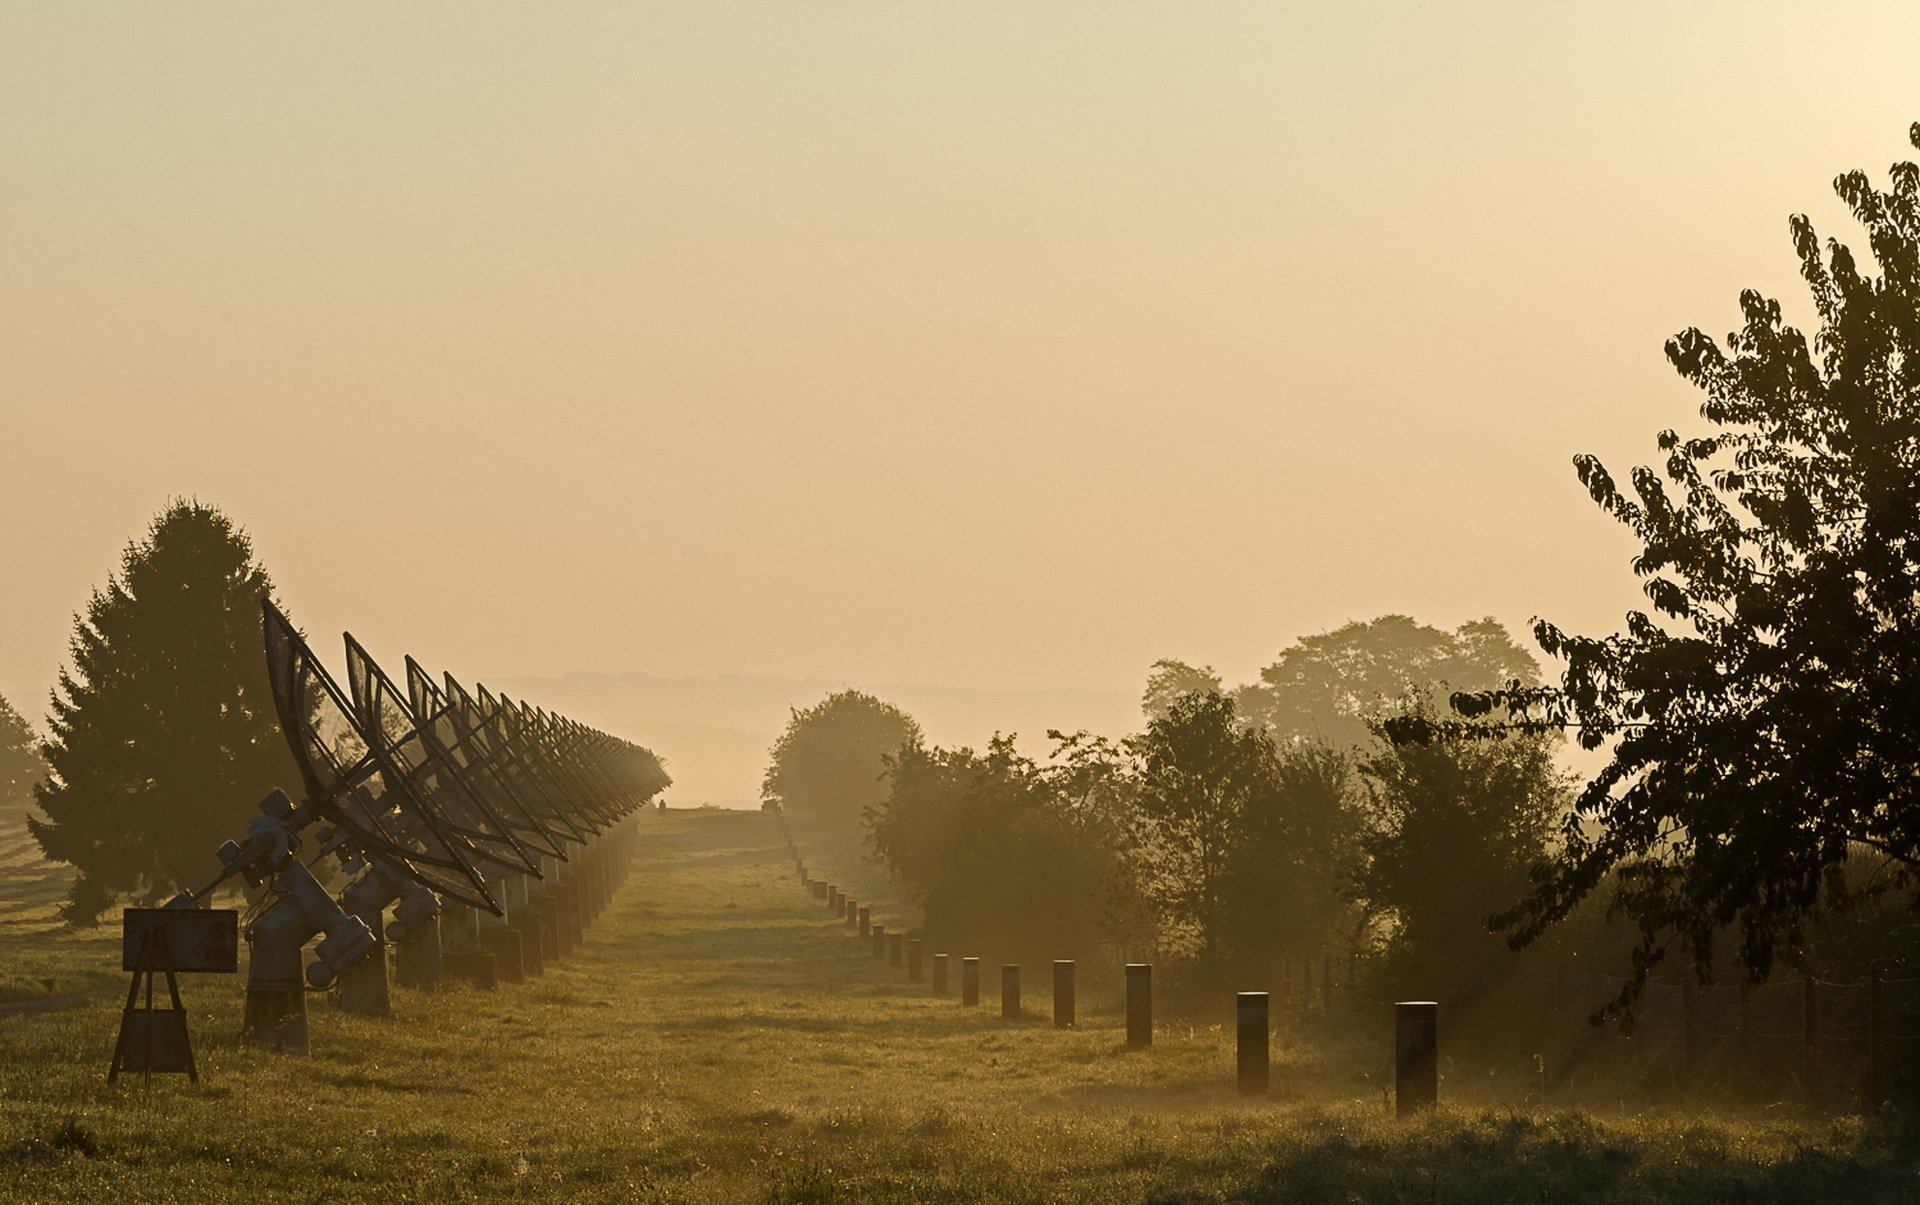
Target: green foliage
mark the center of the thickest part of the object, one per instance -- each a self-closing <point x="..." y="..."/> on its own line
<point x="828" y="766"/>
<point x="1296" y="852"/>
<point x="1002" y="853"/>
<point x="1760" y="722"/>
<point x="1168" y="680"/>
<point x="163" y="735"/>
<point x="1331" y="685"/>
<point x="20" y="764"/>
<point x="1453" y="830"/>
<point x="1196" y="775"/>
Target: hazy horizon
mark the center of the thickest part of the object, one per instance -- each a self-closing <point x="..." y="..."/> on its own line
<point x="1006" y="347"/>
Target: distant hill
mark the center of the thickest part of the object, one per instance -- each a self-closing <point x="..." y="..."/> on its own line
<point x="715" y="732"/>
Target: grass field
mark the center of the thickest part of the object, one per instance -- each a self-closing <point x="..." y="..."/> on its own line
<point x="719" y="1038"/>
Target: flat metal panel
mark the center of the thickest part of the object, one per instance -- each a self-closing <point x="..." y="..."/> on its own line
<point x="204" y="940"/>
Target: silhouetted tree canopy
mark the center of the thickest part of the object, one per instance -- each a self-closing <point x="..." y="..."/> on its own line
<point x="1761" y="719"/>
<point x="1168" y="680"/>
<point x="1453" y="829"/>
<point x="827" y="767"/>
<point x="1196" y="774"/>
<point x="162" y="737"/>
<point x="1002" y="853"/>
<point x="1330" y="685"/>
<point x="20" y="764"/>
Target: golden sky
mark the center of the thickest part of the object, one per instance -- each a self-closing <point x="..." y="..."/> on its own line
<point x="1004" y="345"/>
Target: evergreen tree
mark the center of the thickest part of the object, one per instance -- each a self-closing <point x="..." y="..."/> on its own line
<point x="163" y="734"/>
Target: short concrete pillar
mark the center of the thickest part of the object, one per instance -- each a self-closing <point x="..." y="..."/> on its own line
<point x="833" y="900"/>
<point x="1250" y="1027"/>
<point x="866" y="923"/>
<point x="1416" y="1062"/>
<point x="913" y="960"/>
<point x="895" y="942"/>
<point x="1009" y="992"/>
<point x="879" y="941"/>
<point x="1139" y="1004"/>
<point x="1062" y="993"/>
<point x="969" y="981"/>
<point x="939" y="974"/>
<point x="851" y="911"/>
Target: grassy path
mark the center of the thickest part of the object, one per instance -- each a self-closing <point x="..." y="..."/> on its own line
<point x="720" y="1039"/>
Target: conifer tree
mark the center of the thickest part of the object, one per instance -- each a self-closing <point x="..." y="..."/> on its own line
<point x="163" y="735"/>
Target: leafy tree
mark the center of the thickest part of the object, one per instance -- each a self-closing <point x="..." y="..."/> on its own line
<point x="1296" y="851"/>
<point x="1196" y="773"/>
<point x="827" y="768"/>
<point x="999" y="853"/>
<point x="1329" y="686"/>
<point x="1760" y="723"/>
<point x="20" y="764"/>
<point x="163" y="735"/>
<point x="1171" y="679"/>
<point x="1453" y="829"/>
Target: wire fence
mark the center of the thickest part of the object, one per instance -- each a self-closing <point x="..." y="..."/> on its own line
<point x="1830" y="1038"/>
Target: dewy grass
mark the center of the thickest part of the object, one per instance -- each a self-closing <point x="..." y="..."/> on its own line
<point x="720" y="1038"/>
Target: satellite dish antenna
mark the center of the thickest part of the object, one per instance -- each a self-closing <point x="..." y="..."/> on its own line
<point x="400" y="737"/>
<point x="486" y="736"/>
<point x="440" y="725"/>
<point x="353" y="784"/>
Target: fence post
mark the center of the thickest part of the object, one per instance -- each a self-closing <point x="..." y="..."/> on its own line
<point x="879" y="935"/>
<point x="866" y="922"/>
<point x="1062" y="994"/>
<point x="939" y="974"/>
<point x="1009" y="992"/>
<point x="913" y="960"/>
<point x="1250" y="1030"/>
<point x="1139" y="1005"/>
<point x="851" y="911"/>
<point x="1807" y="1014"/>
<point x="969" y="981"/>
<point x="1416" y="1064"/>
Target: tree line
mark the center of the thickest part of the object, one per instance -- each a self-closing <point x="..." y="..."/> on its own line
<point x="1237" y="827"/>
<point x="1756" y="804"/>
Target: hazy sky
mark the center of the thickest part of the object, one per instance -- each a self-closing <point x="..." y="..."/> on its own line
<point x="990" y="345"/>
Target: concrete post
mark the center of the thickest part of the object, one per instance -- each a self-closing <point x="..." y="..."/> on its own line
<point x="1009" y="992"/>
<point x="850" y="912"/>
<point x="1416" y="1061"/>
<point x="1062" y="994"/>
<point x="939" y="974"/>
<point x="879" y="941"/>
<point x="866" y="923"/>
<point x="969" y="981"/>
<point x="1139" y="1005"/>
<point x="1250" y="1028"/>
